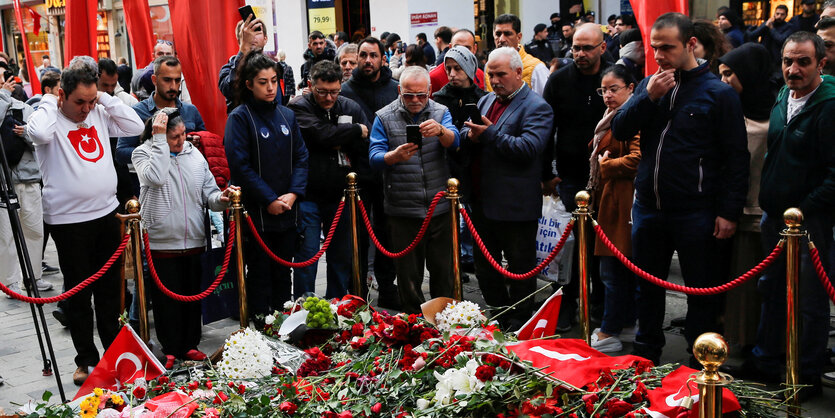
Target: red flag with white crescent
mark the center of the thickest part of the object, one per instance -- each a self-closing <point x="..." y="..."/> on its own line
<point x="544" y="322"/>
<point x="665" y="401"/>
<point x="86" y="143"/>
<point x="127" y="359"/>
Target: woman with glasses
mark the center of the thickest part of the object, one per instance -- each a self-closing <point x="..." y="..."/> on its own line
<point x="613" y="167"/>
<point x="268" y="159"/>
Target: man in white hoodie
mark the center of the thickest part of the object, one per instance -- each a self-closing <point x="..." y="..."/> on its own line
<point x="71" y="133"/>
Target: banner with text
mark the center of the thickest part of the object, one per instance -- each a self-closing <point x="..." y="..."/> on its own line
<point x="321" y="16"/>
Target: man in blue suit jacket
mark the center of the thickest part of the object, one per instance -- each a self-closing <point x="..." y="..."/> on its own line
<point x="505" y="150"/>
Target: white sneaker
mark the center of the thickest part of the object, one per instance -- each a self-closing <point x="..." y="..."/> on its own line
<point x="627" y="335"/>
<point x="607" y="345"/>
<point x="14" y="287"/>
<point x="44" y="285"/>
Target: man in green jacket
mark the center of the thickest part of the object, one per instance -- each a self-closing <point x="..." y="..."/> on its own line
<point x="799" y="172"/>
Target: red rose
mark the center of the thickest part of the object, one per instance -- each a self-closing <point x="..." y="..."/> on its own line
<point x="241" y="389"/>
<point x="221" y="397"/>
<point x="357" y="330"/>
<point x="639" y="394"/>
<point x="139" y="392"/>
<point x="208" y="384"/>
<point x="485" y="372"/>
<point x="345" y="414"/>
<point x="288" y="407"/>
<point x="163" y="380"/>
<point x="193" y="385"/>
<point x="618" y="408"/>
<point x="377" y="408"/>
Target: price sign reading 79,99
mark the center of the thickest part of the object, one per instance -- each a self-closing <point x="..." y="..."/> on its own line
<point x="322" y="19"/>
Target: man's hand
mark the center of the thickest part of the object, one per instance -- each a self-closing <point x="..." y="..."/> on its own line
<point x="724" y="228"/>
<point x="9" y="84"/>
<point x="477" y="130"/>
<point x="277" y="207"/>
<point x="289" y="199"/>
<point x="660" y="83"/>
<point x="401" y="153"/>
<point x="430" y="128"/>
<point x="247" y="34"/>
<point x="19" y="130"/>
<point x="549" y="188"/>
<point x="364" y="130"/>
<point x="226" y="196"/>
<point x="770" y="23"/>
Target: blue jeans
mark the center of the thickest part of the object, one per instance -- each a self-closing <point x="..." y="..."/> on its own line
<point x="465" y="240"/>
<point x="769" y="352"/>
<point x="313" y="219"/>
<point x="656" y="234"/>
<point x="619" y="305"/>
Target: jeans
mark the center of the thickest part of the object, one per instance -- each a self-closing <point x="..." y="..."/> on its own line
<point x="315" y="218"/>
<point x="619" y="309"/>
<point x="656" y="234"/>
<point x="769" y="352"/>
<point x="465" y="240"/>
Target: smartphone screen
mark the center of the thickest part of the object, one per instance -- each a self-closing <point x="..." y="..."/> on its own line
<point x="413" y="135"/>
<point x="245" y="12"/>
<point x="474" y="113"/>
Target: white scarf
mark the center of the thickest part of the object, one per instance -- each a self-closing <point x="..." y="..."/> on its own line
<point x="600" y="131"/>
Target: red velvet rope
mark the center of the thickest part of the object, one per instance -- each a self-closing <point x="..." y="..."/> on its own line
<point x="701" y="291"/>
<point x="418" y="238"/>
<point x="202" y="295"/>
<point x="77" y="288"/>
<point x="302" y="264"/>
<point x="824" y="278"/>
<point x="498" y="267"/>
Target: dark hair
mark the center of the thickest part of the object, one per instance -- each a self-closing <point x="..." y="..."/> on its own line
<point x="445" y="33"/>
<point x="252" y="64"/>
<point x="73" y="76"/>
<point x="628" y="19"/>
<point x="422" y="36"/>
<point x="825" y="23"/>
<point x="509" y="18"/>
<point x="49" y="80"/>
<point x="782" y="6"/>
<point x="392" y="38"/>
<point x="630" y="35"/>
<point x="341" y="35"/>
<point x="325" y="70"/>
<point x="802" y="36"/>
<point x="415" y="56"/>
<point x="732" y="17"/>
<point x="620" y="72"/>
<point x="315" y="35"/>
<point x="383" y="36"/>
<point x="827" y="4"/>
<point x="44" y="56"/>
<point x="611" y="18"/>
<point x="107" y="66"/>
<point x="375" y="41"/>
<point x="148" y="132"/>
<point x="168" y="60"/>
<point x="676" y="20"/>
<point x="713" y="41"/>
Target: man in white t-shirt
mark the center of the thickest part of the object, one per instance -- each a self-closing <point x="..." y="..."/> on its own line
<point x="71" y="133"/>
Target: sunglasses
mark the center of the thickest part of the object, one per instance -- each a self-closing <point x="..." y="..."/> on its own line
<point x="585" y="48"/>
<point x="163" y="41"/>
<point x="412" y="96"/>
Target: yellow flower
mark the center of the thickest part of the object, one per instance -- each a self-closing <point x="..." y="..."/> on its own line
<point x="117" y="400"/>
<point x="98" y="392"/>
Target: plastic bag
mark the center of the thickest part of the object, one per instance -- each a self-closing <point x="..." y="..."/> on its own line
<point x="551" y="227"/>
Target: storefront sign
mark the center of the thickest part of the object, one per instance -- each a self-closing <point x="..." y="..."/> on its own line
<point x="55" y="3"/>
<point x="321" y="16"/>
<point x="424" y="19"/>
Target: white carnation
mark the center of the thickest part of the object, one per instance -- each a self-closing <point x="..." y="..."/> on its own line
<point x="464" y="314"/>
<point x="246" y="355"/>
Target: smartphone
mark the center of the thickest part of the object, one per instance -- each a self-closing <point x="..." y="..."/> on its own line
<point x="17" y="115"/>
<point x="413" y="135"/>
<point x="245" y="12"/>
<point x="402" y="48"/>
<point x="474" y="113"/>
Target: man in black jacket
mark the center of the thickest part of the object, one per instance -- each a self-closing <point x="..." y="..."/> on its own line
<point x="372" y="87"/>
<point x="335" y="131"/>
<point x="540" y="45"/>
<point x="317" y="50"/>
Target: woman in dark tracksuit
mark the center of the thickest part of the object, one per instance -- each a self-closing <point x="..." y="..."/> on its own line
<point x="268" y="160"/>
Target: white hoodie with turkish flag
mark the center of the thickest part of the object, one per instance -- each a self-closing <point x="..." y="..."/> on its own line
<point x="76" y="160"/>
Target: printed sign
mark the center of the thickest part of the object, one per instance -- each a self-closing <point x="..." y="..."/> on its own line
<point x="424" y="19"/>
<point x="321" y="16"/>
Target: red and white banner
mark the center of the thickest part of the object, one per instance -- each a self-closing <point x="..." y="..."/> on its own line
<point x="30" y="64"/>
<point x="570" y="360"/>
<point x="127" y="359"/>
<point x="665" y="401"/>
<point x="646" y="11"/>
<point x="544" y="322"/>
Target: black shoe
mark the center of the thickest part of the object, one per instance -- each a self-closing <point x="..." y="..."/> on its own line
<point x="563" y="323"/>
<point x="61" y="317"/>
<point x="48" y="270"/>
<point x="749" y="370"/>
<point x="468" y="268"/>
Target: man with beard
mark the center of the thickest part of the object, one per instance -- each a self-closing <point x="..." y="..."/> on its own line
<point x="508" y="32"/>
<point x="807" y="19"/>
<point x="372" y="87"/>
<point x="773" y="32"/>
<point x="168" y="74"/>
<point x="347" y="60"/>
<point x="826" y="30"/>
<point x="317" y="50"/>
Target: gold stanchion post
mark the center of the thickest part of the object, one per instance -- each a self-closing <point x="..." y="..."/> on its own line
<point x="355" y="246"/>
<point x="238" y="216"/>
<point x="582" y="215"/>
<point x="135" y="230"/>
<point x="452" y="194"/>
<point x="711" y="350"/>
<point x="793" y="218"/>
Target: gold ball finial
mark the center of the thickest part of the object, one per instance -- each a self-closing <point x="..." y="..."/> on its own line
<point x="793" y="217"/>
<point x="452" y="185"/>
<point x="352" y="178"/>
<point x="236" y="197"/>
<point x="132" y="206"/>
<point x="711" y="350"/>
<point x="582" y="198"/>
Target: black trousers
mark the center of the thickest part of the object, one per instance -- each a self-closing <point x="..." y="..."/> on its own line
<point x="178" y="324"/>
<point x="83" y="248"/>
<point x="268" y="283"/>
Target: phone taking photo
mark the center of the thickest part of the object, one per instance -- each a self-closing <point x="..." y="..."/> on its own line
<point x="245" y="12"/>
<point x="473" y="113"/>
<point x="413" y="135"/>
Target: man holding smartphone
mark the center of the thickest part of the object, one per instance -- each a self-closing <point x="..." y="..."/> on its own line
<point x="413" y="174"/>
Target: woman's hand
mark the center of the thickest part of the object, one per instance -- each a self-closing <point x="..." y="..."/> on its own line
<point x="226" y="196"/>
<point x="603" y="157"/>
<point x="160" y="123"/>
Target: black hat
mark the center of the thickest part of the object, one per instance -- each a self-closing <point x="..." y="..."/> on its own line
<point x="590" y="13"/>
<point x="807" y="2"/>
<point x="554" y="15"/>
<point x="539" y="27"/>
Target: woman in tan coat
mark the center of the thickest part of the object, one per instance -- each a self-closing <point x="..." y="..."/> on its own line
<point x="613" y="167"/>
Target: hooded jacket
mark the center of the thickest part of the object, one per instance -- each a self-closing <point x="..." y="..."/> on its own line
<point x="26" y="170"/>
<point x="370" y="95"/>
<point x="175" y="191"/>
<point x="310" y="58"/>
<point x="693" y="143"/>
<point x="799" y="168"/>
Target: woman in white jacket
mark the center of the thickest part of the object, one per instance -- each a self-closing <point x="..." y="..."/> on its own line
<point x="176" y="189"/>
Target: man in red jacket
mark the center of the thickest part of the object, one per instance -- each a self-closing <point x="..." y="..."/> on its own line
<point x="438" y="76"/>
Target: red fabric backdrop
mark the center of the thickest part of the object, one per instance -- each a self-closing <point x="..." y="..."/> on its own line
<point x="204" y="37"/>
<point x="80" y="29"/>
<point x="646" y="11"/>
<point x="30" y="66"/>
<point x="140" y="30"/>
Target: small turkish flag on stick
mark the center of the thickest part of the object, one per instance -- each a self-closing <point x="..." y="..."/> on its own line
<point x="544" y="321"/>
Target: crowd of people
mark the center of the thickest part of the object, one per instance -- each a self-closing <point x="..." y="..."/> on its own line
<point x="700" y="158"/>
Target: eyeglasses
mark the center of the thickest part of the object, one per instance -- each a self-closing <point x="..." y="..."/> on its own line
<point x="326" y="93"/>
<point x="163" y="41"/>
<point x="412" y="96"/>
<point x="585" y="48"/>
<point x="611" y="89"/>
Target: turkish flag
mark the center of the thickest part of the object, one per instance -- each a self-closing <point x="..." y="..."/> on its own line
<point x="80" y="29"/>
<point x="30" y="64"/>
<point x="665" y="401"/>
<point x="86" y="143"/>
<point x="140" y="30"/>
<point x="127" y="359"/>
<point x="570" y="360"/>
<point x="646" y="11"/>
<point x="544" y="322"/>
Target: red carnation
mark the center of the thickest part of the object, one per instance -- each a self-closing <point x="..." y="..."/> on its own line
<point x="617" y="407"/>
<point x="485" y="372"/>
<point x="377" y="408"/>
<point x="345" y="414"/>
<point x="139" y="392"/>
<point x="288" y="407"/>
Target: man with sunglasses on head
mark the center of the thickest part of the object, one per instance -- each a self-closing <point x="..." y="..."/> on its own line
<point x="508" y="32"/>
<point x="335" y="131"/>
<point x="572" y="93"/>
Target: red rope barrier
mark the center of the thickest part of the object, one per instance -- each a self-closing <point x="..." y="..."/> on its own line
<point x="302" y="264"/>
<point x="77" y="288"/>
<point x="503" y="271"/>
<point x="423" y="227"/>
<point x="824" y="278"/>
<point x="701" y="291"/>
<point x="202" y="295"/>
